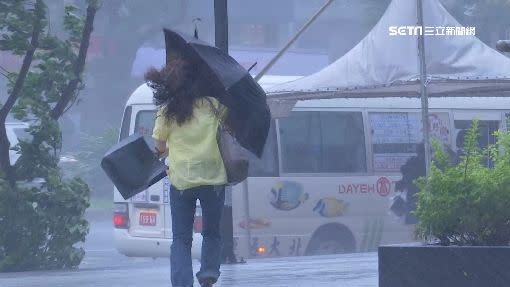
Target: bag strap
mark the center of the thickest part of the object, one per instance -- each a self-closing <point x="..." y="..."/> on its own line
<point x="217" y="113"/>
<point x="215" y="110"/>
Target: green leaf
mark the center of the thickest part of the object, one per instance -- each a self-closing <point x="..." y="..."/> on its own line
<point x="467" y="204"/>
<point x="42" y="237"/>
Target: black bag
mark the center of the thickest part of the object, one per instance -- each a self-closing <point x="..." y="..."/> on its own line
<point x="236" y="166"/>
<point x="234" y="156"/>
<point x="132" y="166"/>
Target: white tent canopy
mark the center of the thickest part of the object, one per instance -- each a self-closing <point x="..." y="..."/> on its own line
<point x="387" y="66"/>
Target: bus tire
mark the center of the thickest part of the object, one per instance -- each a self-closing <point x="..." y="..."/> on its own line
<point x="332" y="238"/>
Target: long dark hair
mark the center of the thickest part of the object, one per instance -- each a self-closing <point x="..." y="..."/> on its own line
<point x="173" y="89"/>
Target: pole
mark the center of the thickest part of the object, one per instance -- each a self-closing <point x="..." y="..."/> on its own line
<point x="291" y="41"/>
<point x="221" y="25"/>
<point x="221" y="41"/>
<point x="247" y="215"/>
<point x="423" y="84"/>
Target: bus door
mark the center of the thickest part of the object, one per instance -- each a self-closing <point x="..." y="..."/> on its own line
<point x="323" y="174"/>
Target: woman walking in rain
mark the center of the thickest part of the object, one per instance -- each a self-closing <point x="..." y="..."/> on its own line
<point x="185" y="129"/>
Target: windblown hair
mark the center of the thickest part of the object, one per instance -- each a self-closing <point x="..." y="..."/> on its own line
<point x="173" y="89"/>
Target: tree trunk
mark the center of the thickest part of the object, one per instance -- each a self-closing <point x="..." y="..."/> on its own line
<point x="70" y="90"/>
<point x="5" y="165"/>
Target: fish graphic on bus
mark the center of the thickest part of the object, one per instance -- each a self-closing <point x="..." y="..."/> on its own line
<point x="287" y="195"/>
<point x="330" y="207"/>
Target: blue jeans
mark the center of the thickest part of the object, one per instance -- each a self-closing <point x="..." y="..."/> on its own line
<point x="182" y="204"/>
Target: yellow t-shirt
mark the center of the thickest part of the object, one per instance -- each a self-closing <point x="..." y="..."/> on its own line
<point x="194" y="156"/>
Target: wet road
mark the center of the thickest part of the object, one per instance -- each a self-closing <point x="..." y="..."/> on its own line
<point x="103" y="266"/>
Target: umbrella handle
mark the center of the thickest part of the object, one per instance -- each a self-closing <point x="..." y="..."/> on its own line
<point x="162" y="160"/>
<point x="158" y="153"/>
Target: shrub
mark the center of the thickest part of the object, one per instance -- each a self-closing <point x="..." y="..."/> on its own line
<point x="467" y="203"/>
<point x="41" y="226"/>
<point x="41" y="213"/>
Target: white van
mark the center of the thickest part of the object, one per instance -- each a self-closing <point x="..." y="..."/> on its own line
<point x="142" y="224"/>
<point x="15" y="131"/>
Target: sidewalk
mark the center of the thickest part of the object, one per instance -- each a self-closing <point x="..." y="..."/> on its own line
<point x="351" y="270"/>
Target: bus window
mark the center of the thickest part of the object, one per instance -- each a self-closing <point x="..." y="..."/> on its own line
<point x="267" y="166"/>
<point x="396" y="137"/>
<point x="124" y="129"/>
<point x="322" y="142"/>
<point x="486" y="137"/>
<point x="486" y="132"/>
<point x="507" y="118"/>
<point x="144" y="124"/>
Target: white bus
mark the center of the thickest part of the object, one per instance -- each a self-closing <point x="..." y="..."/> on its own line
<point x="142" y="224"/>
<point x="325" y="183"/>
<point x="327" y="178"/>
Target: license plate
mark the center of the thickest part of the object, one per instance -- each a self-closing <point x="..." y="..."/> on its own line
<point x="148" y="219"/>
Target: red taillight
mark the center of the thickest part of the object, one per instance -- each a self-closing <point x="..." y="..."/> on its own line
<point x="120" y="220"/>
<point x="120" y="215"/>
<point x="197" y="225"/>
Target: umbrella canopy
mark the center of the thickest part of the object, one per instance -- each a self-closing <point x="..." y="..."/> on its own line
<point x="222" y="77"/>
<point x="382" y="65"/>
<point x="132" y="166"/>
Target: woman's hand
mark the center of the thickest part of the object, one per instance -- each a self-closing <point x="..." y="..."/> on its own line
<point x="160" y="149"/>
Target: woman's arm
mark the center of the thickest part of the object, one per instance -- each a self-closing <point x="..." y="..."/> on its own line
<point x="161" y="150"/>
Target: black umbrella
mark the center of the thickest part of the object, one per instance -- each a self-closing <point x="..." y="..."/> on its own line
<point x="132" y="166"/>
<point x="222" y="77"/>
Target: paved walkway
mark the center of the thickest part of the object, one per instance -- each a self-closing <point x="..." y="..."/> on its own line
<point x="350" y="270"/>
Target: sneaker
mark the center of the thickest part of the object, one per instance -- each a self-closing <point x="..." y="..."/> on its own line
<point x="207" y="283"/>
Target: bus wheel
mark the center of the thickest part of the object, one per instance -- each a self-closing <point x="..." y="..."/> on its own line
<point x="331" y="239"/>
